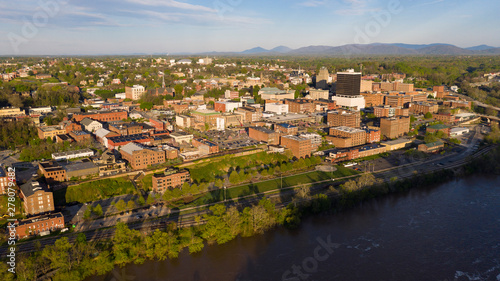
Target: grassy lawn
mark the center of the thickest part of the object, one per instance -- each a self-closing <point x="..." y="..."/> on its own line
<point x="147" y="182"/>
<point x="96" y="190"/>
<point x="4" y="209"/>
<point x="274" y="184"/>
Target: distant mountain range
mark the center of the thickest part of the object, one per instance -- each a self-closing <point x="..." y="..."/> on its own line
<point x="370" y="49"/>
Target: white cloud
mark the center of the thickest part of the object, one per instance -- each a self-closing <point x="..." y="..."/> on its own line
<point x="201" y="18"/>
<point x="172" y="4"/>
<point x="428" y="3"/>
<point x="355" y="8"/>
<point x="313" y="3"/>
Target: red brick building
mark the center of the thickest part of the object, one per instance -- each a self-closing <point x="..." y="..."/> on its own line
<point x="438" y="128"/>
<point x="209" y="147"/>
<point x="126" y="129"/>
<point x="40" y="224"/>
<point x="37" y="198"/>
<point x="394" y="127"/>
<point x="177" y="107"/>
<point x="376" y="99"/>
<point x="347" y="137"/>
<point x="70" y="126"/>
<point x="458" y="104"/>
<point x="105" y="116"/>
<point x="431" y="147"/>
<point x="80" y="136"/>
<point x="344" y="118"/>
<point x="355" y="153"/>
<point x="170" y="179"/>
<point x="423" y="108"/>
<point x="300" y="147"/>
<point x="158" y="124"/>
<point x="263" y="134"/>
<point x="446" y="118"/>
<point x="286" y="129"/>
<point x="52" y="171"/>
<point x="372" y="136"/>
<point x="141" y="157"/>
<point x="300" y="106"/>
<point x="389" y="111"/>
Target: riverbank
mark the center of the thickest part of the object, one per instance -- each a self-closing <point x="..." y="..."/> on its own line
<point x="222" y="225"/>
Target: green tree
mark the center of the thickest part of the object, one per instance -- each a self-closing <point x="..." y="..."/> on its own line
<point x="160" y="245"/>
<point x="127" y="245"/>
<point x="234" y="178"/>
<point x="428" y="115"/>
<point x="121" y="205"/>
<point x="178" y="89"/>
<point x="97" y="210"/>
<point x="150" y="199"/>
<point x="87" y="213"/>
<point x="131" y="204"/>
<point x="141" y="201"/>
<point x="216" y="227"/>
<point x="429" y="138"/>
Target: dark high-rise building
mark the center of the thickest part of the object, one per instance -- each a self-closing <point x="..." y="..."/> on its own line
<point x="348" y="83"/>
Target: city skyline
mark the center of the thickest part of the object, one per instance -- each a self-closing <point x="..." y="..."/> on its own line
<point x="56" y="27"/>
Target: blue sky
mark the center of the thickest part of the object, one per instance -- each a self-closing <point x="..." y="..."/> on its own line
<point x="52" y="27"/>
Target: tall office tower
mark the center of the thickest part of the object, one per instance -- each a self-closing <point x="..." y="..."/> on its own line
<point x="322" y="79"/>
<point x="349" y="83"/>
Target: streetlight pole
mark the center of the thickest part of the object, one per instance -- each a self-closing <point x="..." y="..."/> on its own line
<point x="225" y="198"/>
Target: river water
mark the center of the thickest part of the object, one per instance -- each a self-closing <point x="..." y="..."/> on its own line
<point x="445" y="232"/>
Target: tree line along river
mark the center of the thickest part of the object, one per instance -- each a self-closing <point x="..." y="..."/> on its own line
<point x="450" y="231"/>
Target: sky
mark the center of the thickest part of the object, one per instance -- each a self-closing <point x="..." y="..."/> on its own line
<point x="90" y="27"/>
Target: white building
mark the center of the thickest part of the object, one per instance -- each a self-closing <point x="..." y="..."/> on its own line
<point x="90" y="125"/>
<point x="121" y="96"/>
<point x="316" y="94"/>
<point x="135" y="92"/>
<point x="277" y="108"/>
<point x="354" y="102"/>
<point x="39" y="110"/>
<point x="227" y="106"/>
<point x="315" y="138"/>
<point x="73" y="154"/>
<point x="205" y="61"/>
<point x="184" y="121"/>
<point x="458" y="131"/>
<point x="180" y="137"/>
<point x="185" y="61"/>
<point x="221" y="124"/>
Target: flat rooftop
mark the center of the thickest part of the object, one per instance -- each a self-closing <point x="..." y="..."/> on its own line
<point x="398" y="141"/>
<point x="41" y="218"/>
<point x="77" y="166"/>
<point x="286" y="118"/>
<point x="264" y="130"/>
<point x="74" y="152"/>
<point x="348" y="129"/>
<point x="286" y="125"/>
<point x="50" y="128"/>
<point x="136" y="137"/>
<point x="206" y="112"/>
